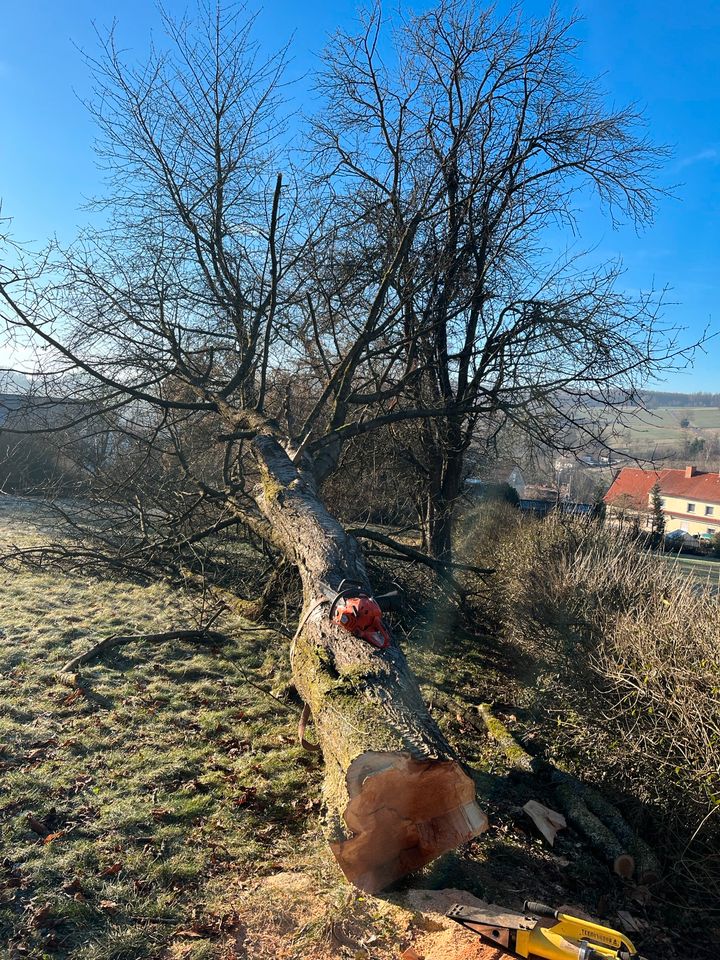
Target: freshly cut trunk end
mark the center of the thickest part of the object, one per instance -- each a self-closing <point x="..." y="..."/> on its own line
<point x="403" y="813"/>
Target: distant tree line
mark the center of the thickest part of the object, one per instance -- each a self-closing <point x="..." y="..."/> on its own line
<point x="659" y="398"/>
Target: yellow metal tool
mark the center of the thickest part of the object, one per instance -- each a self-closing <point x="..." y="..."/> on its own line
<point x="544" y="932"/>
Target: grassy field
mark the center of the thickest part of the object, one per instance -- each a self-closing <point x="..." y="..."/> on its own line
<point x="158" y="805"/>
<point x="705" y="571"/>
<point x="139" y="800"/>
<point x="662" y="428"/>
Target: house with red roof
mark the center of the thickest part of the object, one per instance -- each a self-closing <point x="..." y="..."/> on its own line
<point x="690" y="497"/>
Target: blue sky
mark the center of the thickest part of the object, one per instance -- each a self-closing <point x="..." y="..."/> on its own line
<point x="664" y="55"/>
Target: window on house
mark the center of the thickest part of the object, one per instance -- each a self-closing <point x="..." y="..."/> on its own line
<point x="709" y="511"/>
<point x="690" y="508"/>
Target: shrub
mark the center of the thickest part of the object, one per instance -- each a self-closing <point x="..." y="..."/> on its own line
<point x="633" y="647"/>
<point x="716" y="545"/>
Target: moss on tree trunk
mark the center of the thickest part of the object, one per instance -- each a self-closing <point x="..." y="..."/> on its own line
<point x="396" y="795"/>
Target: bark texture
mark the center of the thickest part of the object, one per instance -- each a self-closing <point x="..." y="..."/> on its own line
<point x="396" y="795"/>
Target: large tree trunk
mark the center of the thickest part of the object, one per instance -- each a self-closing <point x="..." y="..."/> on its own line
<point x="441" y="529"/>
<point x="396" y="795"/>
<point x="445" y="481"/>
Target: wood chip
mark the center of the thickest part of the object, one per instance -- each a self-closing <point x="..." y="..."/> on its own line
<point x="546" y="820"/>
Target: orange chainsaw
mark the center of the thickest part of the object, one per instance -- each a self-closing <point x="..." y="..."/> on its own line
<point x="352" y="608"/>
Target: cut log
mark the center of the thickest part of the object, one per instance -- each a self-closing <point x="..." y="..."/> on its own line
<point x="646" y="863"/>
<point x="396" y="795"/>
<point x="571" y="799"/>
<point x="518" y="758"/>
<point x="586" y="808"/>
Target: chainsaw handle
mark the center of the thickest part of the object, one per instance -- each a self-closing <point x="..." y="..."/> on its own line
<point x="540" y="909"/>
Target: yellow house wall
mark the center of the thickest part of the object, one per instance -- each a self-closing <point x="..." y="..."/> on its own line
<point x="693" y="523"/>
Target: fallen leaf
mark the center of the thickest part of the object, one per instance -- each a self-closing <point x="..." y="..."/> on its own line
<point x="338" y="934"/>
<point x="109" y="906"/>
<point x="54" y="836"/>
<point x="41" y="916"/>
<point x="73" y="697"/>
<point x="247" y="796"/>
<point x="159" y="813"/>
<point x="112" y="870"/>
<point x="72" y="886"/>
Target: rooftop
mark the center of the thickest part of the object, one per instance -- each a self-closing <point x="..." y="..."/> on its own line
<point x="634" y="484"/>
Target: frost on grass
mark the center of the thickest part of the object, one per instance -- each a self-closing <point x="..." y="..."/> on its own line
<point x="142" y="802"/>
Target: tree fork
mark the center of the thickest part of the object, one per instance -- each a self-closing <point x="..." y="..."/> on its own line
<point x="396" y="795"/>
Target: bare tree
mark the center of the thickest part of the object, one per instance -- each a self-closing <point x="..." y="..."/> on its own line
<point x="470" y="138"/>
<point x="235" y="328"/>
<point x="179" y="319"/>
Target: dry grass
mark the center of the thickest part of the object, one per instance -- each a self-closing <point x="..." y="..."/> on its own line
<point x="626" y="654"/>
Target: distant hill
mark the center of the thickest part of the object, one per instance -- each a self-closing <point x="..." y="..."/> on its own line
<point x="653" y="399"/>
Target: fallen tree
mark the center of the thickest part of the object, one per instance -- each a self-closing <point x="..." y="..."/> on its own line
<point x="230" y="329"/>
<point x="396" y="794"/>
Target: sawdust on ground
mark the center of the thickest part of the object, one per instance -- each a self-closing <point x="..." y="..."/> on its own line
<point x="444" y="939"/>
<point x="286" y="916"/>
